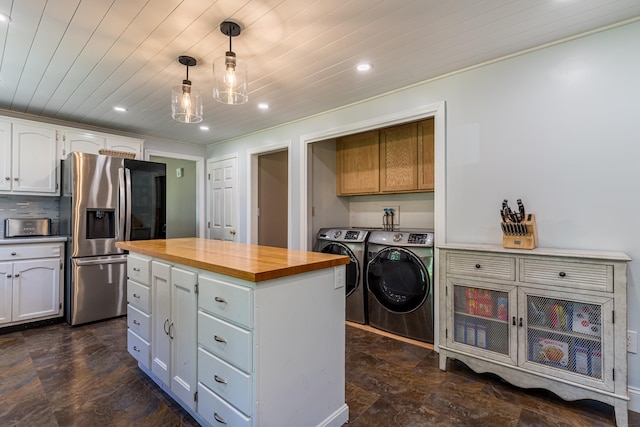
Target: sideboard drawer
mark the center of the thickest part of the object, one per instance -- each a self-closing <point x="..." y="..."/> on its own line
<point x="477" y="265"/>
<point x="582" y="275"/>
<point x="225" y="340"/>
<point x="217" y="412"/>
<point x="231" y="384"/>
<point x="139" y="296"/>
<point x="232" y="302"/>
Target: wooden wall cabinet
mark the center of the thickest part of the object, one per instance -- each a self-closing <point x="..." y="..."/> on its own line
<point x="357" y="164"/>
<point x="544" y="318"/>
<point x="398" y="159"/>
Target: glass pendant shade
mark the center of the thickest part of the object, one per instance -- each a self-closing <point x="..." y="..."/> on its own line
<point x="186" y="104"/>
<point x="230" y="80"/>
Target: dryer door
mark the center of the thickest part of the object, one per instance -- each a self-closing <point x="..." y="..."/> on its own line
<point x="353" y="268"/>
<point x="398" y="279"/>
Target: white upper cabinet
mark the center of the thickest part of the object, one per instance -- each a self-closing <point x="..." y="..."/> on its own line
<point x="29" y="160"/>
<point x="93" y="142"/>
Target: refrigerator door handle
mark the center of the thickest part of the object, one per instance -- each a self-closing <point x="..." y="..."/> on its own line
<point x="127" y="173"/>
<point x="121" y="206"/>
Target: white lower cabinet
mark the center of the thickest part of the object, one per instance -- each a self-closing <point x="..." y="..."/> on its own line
<point x="30" y="278"/>
<point x="549" y="319"/>
<point x="173" y="344"/>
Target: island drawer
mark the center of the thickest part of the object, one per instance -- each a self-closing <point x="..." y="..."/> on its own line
<point x="565" y="273"/>
<point x="139" y="296"/>
<point x="139" y="322"/>
<point x="139" y="268"/>
<point x="485" y="266"/>
<point x="139" y="348"/>
<point x="217" y="412"/>
<point x="231" y="384"/>
<point x="229" y="301"/>
<point x="226" y="341"/>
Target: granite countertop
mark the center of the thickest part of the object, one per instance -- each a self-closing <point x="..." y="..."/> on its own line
<point x="248" y="262"/>
<point x="34" y="239"/>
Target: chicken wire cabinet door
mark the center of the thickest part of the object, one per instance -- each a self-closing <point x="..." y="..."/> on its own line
<point x="569" y="338"/>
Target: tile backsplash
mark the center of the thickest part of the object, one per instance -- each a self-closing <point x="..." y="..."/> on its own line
<point x="30" y="207"/>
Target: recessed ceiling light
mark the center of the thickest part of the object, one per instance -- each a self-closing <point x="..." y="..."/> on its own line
<point x="363" y="67"/>
<point x="204" y="127"/>
<point x="120" y="109"/>
<point x="263" y="106"/>
<point x="4" y="17"/>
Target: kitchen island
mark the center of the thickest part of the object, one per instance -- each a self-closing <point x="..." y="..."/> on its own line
<point x="237" y="334"/>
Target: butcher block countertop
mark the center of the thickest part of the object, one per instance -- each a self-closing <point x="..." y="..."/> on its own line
<point x="247" y="262"/>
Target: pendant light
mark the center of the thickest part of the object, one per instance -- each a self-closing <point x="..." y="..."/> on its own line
<point x="186" y="103"/>
<point x="230" y="77"/>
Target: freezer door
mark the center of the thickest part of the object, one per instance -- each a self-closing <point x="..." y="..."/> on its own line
<point x="97" y="289"/>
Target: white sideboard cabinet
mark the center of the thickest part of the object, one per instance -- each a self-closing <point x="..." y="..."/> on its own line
<point x="543" y="318"/>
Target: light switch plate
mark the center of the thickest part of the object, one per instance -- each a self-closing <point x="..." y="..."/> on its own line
<point x="339" y="276"/>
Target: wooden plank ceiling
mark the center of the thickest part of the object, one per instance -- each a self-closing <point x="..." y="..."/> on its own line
<point x="74" y="60"/>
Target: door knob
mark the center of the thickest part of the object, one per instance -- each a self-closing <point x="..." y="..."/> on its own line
<point x="232" y="232"/>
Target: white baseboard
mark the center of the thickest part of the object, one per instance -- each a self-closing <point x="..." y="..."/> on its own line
<point x="634" y="402"/>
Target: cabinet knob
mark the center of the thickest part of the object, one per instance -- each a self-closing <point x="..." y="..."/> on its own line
<point x="13" y="253"/>
<point x="7" y="178"/>
<point x="478" y="266"/>
<point x="16" y="275"/>
<point x="562" y="274"/>
<point x="16" y="179"/>
<point x="8" y="276"/>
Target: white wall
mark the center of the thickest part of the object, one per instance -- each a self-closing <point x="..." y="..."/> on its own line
<point x="557" y="127"/>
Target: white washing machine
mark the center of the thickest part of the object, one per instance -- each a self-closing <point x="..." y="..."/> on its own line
<point x="351" y="243"/>
<point x="399" y="279"/>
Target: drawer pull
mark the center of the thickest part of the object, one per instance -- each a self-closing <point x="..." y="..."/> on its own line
<point x="219" y="418"/>
<point x="520" y="324"/>
<point x="562" y="274"/>
<point x="136" y="269"/>
<point x="219" y="380"/>
<point x="222" y="300"/>
<point x="219" y="339"/>
<point x="136" y="296"/>
<point x="135" y="348"/>
<point x="171" y="330"/>
<point x="514" y="321"/>
<point x="478" y="265"/>
<point x="135" y="322"/>
<point x="165" y="327"/>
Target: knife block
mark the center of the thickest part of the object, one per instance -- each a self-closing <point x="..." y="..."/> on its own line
<point x="518" y="238"/>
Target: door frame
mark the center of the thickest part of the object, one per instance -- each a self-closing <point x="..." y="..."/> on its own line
<point x="436" y="110"/>
<point x="200" y="188"/>
<point x="252" y="191"/>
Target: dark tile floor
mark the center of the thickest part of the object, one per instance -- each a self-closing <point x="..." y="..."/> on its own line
<point x="83" y="376"/>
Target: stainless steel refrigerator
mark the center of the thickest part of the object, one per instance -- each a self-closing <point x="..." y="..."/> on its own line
<point x="104" y="200"/>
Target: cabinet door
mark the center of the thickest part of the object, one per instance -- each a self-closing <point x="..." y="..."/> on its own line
<point x="398" y="158"/>
<point x="161" y="315"/>
<point x="184" y="312"/>
<point x="126" y="145"/>
<point x="34" y="159"/>
<point x="568" y="336"/>
<point x="426" y="155"/>
<point x="6" y="291"/>
<point x="83" y="142"/>
<point x="36" y="289"/>
<point x="5" y="160"/>
<point x="482" y="320"/>
<point x="358" y="164"/>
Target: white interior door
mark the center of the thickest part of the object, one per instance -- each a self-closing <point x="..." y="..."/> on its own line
<point x="222" y="181"/>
